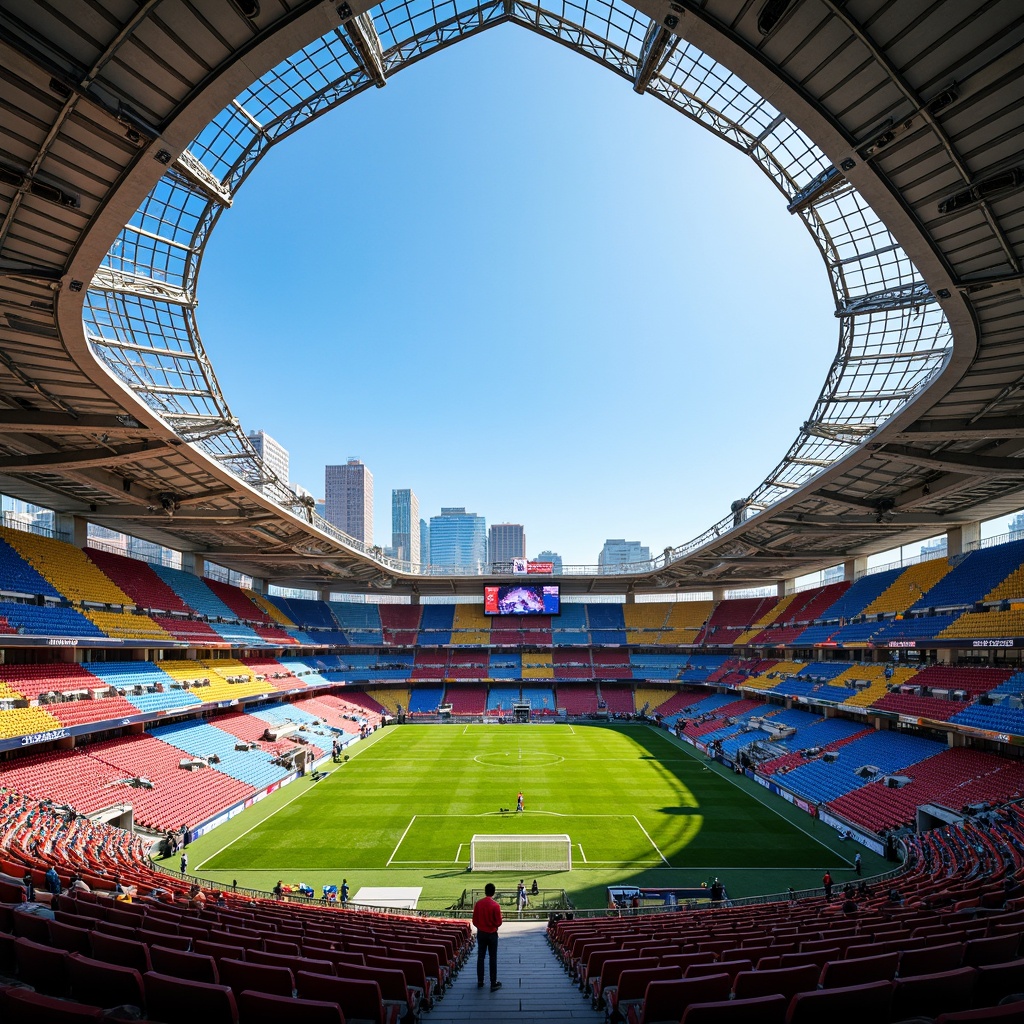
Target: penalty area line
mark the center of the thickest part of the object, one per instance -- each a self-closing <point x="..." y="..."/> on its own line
<point x="582" y="854"/>
<point x="400" y="841"/>
<point x="651" y="841"/>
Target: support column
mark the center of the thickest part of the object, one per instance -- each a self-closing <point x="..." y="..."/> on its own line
<point x="75" y="528"/>
<point x="259" y="585"/>
<point x="630" y="597"/>
<point x="414" y="597"/>
<point x="188" y="561"/>
<point x="718" y="594"/>
<point x="324" y="593"/>
<point x="853" y="567"/>
<point x="961" y="538"/>
<point x="785" y="587"/>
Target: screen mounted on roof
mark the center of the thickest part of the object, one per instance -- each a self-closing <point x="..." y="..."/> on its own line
<point x="521" y="599"/>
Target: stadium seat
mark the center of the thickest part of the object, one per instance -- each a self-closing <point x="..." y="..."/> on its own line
<point x="996" y="950"/>
<point x="101" y="984"/>
<point x="928" y="995"/>
<point x="664" y="1000"/>
<point x="931" y="959"/>
<point x="784" y="981"/>
<point x="186" y="1002"/>
<point x="359" y="1000"/>
<point x="1011" y="1013"/>
<point x="240" y="975"/>
<point x="631" y="990"/>
<point x="23" y="1006"/>
<point x="265" y="1008"/>
<point x="126" y="952"/>
<point x="995" y="982"/>
<point x="859" y="971"/>
<point x="42" y="967"/>
<point x="68" y="937"/>
<point x="179" y="964"/>
<point x="763" y="1010"/>
<point x="852" y="1005"/>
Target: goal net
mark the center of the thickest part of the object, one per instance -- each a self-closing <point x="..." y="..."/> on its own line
<point x="520" y="853"/>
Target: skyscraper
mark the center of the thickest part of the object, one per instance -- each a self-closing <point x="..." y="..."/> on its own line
<point x="622" y="552"/>
<point x="554" y="558"/>
<point x="273" y="453"/>
<point x="505" y="541"/>
<point x="405" y="525"/>
<point x="349" y="501"/>
<point x="458" y="538"/>
<point x="424" y="543"/>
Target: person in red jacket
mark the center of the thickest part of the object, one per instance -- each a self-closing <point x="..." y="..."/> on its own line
<point x="487" y="920"/>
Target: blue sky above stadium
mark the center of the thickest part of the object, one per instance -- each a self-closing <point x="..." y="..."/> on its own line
<point x="510" y="283"/>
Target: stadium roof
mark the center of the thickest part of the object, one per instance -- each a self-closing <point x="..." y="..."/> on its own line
<point x="893" y="130"/>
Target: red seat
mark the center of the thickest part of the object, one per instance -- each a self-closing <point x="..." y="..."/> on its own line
<point x="294" y="963"/>
<point x="763" y="1010"/>
<point x="785" y="981"/>
<point x="101" y="984"/>
<point x="169" y="940"/>
<point x="931" y="960"/>
<point x="66" y="936"/>
<point x="219" y="951"/>
<point x="928" y="995"/>
<point x="730" y="967"/>
<point x="32" y="926"/>
<point x="178" y="964"/>
<point x="359" y="1000"/>
<point x="264" y="1008"/>
<point x="839" y="973"/>
<point x="997" y="981"/>
<point x="242" y="976"/>
<point x="23" y="1006"/>
<point x="394" y="992"/>
<point x="126" y="952"/>
<point x="277" y="946"/>
<point x="997" y="950"/>
<point x="632" y="988"/>
<point x="665" y="1000"/>
<point x="42" y="967"/>
<point x="852" y="1005"/>
<point x="180" y="1001"/>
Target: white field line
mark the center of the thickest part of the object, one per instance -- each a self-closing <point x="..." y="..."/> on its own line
<point x="400" y="841"/>
<point x="582" y="854"/>
<point x="301" y="792"/>
<point x="651" y="841"/>
<point x="458" y="852"/>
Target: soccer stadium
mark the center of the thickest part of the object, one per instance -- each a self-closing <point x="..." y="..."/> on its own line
<point x="705" y="790"/>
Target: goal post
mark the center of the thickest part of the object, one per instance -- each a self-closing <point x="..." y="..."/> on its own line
<point x="520" y="853"/>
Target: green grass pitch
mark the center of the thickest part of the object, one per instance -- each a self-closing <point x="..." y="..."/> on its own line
<point x="640" y="808"/>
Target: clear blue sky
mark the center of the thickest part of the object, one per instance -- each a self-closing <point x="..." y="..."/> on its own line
<point x="509" y="283"/>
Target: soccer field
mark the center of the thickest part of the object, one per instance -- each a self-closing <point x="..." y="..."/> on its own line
<point x="639" y="809"/>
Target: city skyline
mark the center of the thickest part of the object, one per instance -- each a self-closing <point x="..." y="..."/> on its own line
<point x="348" y="498"/>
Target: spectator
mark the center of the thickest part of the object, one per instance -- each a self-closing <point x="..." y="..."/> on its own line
<point x="487" y="920"/>
<point x="52" y="881"/>
<point x="826" y="882"/>
<point x="857" y="866"/>
<point x="344" y="892"/>
<point x="30" y="889"/>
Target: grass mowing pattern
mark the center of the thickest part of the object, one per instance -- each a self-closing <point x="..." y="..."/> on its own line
<point x="639" y="809"/>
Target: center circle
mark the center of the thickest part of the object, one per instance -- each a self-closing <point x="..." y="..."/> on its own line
<point x="518" y="759"/>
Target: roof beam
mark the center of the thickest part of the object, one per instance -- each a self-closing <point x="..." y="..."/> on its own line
<point x="658" y="44"/>
<point x="179" y="515"/>
<point x="196" y="173"/>
<point x="33" y="422"/>
<point x="956" y="462"/>
<point x="907" y="297"/>
<point x="996" y="427"/>
<point x="57" y="461"/>
<point x="106" y="279"/>
<point x="363" y="34"/>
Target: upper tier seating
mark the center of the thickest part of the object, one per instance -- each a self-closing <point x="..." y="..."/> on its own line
<point x="685" y="621"/>
<point x="125" y="626"/>
<point x="138" y="580"/>
<point x="50" y="677"/>
<point x="470" y="626"/>
<point x="506" y="665"/>
<point x="607" y="623"/>
<point x="436" y="624"/>
<point x="732" y="618"/>
<point x="304" y="613"/>
<point x="400" y="623"/>
<point x="194" y="592"/>
<point x="858" y="596"/>
<point x="238" y="601"/>
<point x="973" y="577"/>
<point x="909" y="586"/>
<point x="644" y="622"/>
<point x="992" y="622"/>
<point x="66" y="567"/>
<point x="359" y="622"/>
<point x="17" y="576"/>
